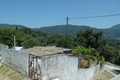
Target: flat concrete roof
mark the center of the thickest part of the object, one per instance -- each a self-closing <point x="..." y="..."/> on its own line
<point x="47" y="50"/>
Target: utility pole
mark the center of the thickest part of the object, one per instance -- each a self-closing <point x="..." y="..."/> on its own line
<point x="14" y="41"/>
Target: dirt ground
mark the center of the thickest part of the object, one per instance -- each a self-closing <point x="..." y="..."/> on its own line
<point x="104" y="75"/>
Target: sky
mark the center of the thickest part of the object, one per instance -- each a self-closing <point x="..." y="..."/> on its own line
<point x="39" y="13"/>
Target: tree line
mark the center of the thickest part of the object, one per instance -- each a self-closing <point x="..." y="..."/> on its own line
<point x="82" y="41"/>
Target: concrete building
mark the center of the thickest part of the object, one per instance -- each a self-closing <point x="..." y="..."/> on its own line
<point x="54" y="63"/>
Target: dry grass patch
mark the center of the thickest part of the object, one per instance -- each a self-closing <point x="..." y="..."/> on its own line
<point x="7" y="73"/>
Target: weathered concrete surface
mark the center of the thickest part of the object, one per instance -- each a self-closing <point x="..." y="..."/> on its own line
<point x="116" y="77"/>
<point x="59" y="66"/>
<point x="108" y="72"/>
<point x="65" y="67"/>
<point x="18" y="60"/>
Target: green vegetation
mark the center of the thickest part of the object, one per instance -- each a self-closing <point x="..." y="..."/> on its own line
<point x="84" y="40"/>
<point x="24" y="37"/>
<point x="83" y="51"/>
<point x="109" y="33"/>
<point x="90" y="54"/>
<point x="90" y="39"/>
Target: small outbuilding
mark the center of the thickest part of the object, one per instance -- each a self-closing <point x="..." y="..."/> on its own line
<point x="43" y="61"/>
<point x="47" y="63"/>
<point x="55" y="63"/>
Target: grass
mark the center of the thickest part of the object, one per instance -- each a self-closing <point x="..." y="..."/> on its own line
<point x="6" y="73"/>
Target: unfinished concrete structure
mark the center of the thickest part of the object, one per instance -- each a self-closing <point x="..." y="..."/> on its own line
<point x="42" y="59"/>
<point x="53" y="63"/>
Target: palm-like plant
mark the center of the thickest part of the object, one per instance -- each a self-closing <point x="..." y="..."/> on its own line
<point x="91" y="54"/>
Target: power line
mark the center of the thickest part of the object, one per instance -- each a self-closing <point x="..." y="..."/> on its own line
<point x="100" y="16"/>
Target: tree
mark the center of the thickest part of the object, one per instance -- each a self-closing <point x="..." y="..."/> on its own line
<point x="30" y="42"/>
<point x="66" y="42"/>
<point x="90" y="54"/>
<point x="22" y="38"/>
<point x="90" y="38"/>
<point x="6" y="37"/>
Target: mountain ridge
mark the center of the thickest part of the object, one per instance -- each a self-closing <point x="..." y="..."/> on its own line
<point x="112" y="32"/>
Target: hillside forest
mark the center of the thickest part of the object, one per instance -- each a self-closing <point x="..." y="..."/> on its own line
<point x="101" y="43"/>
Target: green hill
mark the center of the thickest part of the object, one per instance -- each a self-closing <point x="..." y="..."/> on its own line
<point x="111" y="33"/>
<point x="62" y="29"/>
<point x="40" y="36"/>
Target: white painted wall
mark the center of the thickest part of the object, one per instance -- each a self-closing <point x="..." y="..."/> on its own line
<point x="65" y="67"/>
<point x="55" y="67"/>
<point x="18" y="60"/>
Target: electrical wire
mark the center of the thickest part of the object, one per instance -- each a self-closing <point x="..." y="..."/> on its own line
<point x="100" y="16"/>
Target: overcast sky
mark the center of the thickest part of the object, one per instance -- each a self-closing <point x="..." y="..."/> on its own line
<point x="37" y="13"/>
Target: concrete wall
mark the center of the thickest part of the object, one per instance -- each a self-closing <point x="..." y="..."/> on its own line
<point x="65" y="68"/>
<point x="17" y="60"/>
<point x="59" y="66"/>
